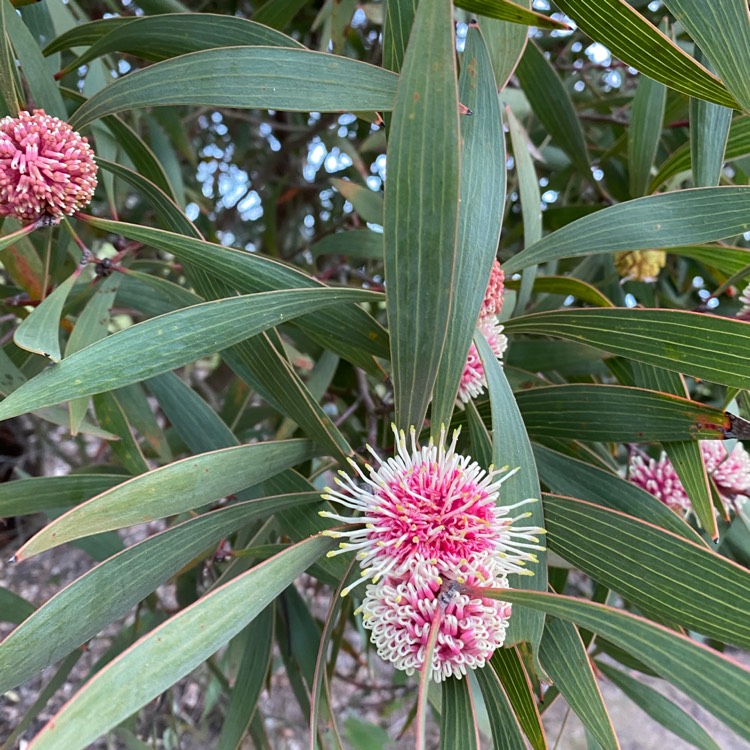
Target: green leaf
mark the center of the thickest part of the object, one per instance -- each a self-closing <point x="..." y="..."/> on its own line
<point x="458" y="726"/>
<point x="399" y="18"/>
<point x="257" y="641"/>
<point x="664" y="220"/>
<point x="566" y="285"/>
<point x="709" y="131"/>
<point x="40" y="332"/>
<point x="569" y="476"/>
<point x="86" y="34"/>
<point x="170" y="490"/>
<point x="637" y="42"/>
<point x="9" y="83"/>
<point x="479" y="221"/>
<point x="506" y="43"/>
<point x="511" y="447"/>
<point x="702" y="346"/>
<point x="506" y="731"/>
<point x="715" y="682"/>
<point x="92" y="325"/>
<point x="553" y="106"/>
<point x="166" y="342"/>
<point x="663" y="710"/>
<point x="363" y="244"/>
<point x="644" y="132"/>
<point x="680" y="160"/>
<point x="14" y="608"/>
<point x="508" y="666"/>
<point x="356" y="336"/>
<point x="722" y="31"/>
<point x="112" y="417"/>
<point x="564" y="658"/>
<point x="367" y="203"/>
<point x="249" y="78"/>
<point x="661" y="573"/>
<point x="277" y="13"/>
<point x="109" y="590"/>
<point x="504" y="10"/>
<point x="531" y="201"/>
<point x="170" y="35"/>
<point x="616" y="413"/>
<point x="40" y="494"/>
<point x="421" y="210"/>
<point x="43" y="90"/>
<point x="174" y="649"/>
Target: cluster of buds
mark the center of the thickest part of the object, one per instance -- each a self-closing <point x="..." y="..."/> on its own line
<point x="730" y="473"/>
<point x="430" y="530"/>
<point x="473" y="378"/>
<point x="47" y="170"/>
<point x="640" y="265"/>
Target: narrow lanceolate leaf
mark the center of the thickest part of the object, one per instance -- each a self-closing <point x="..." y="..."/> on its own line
<point x="509" y="667"/>
<point x="164" y="343"/>
<point x="504" y="10"/>
<point x="172" y="489"/>
<point x="709" y="132"/>
<point x="569" y="476"/>
<point x="637" y="42"/>
<point x="173" y="34"/>
<point x="109" y="590"/>
<point x="511" y="447"/>
<point x="421" y="210"/>
<point x="616" y="413"/>
<point x="172" y="650"/>
<point x="668" y="219"/>
<point x="662" y="574"/>
<point x="680" y="160"/>
<point x="14" y="608"/>
<point x="506" y="731"/>
<point x="722" y="31"/>
<point x="39" y="494"/>
<point x="458" y="726"/>
<point x="248" y="78"/>
<point x="644" y="132"/>
<point x="506" y="42"/>
<point x="666" y="712"/>
<point x="552" y="105"/>
<point x="356" y="335"/>
<point x="40" y="332"/>
<point x="399" y="17"/>
<point x="716" y="682"/>
<point x="564" y="658"/>
<point x="702" y="346"/>
<point x="479" y="221"/>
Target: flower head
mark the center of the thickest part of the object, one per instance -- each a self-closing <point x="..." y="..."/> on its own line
<point x="661" y="480"/>
<point x="730" y="473"/>
<point x="46" y="168"/>
<point x="640" y="265"/>
<point x="399" y="612"/>
<point x="473" y="378"/>
<point x="744" y="313"/>
<point x="493" y="297"/>
<point x="429" y="503"/>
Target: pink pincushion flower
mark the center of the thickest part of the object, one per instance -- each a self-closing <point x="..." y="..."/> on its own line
<point x="473" y="378"/>
<point x="661" y="480"/>
<point x="46" y="168"/>
<point x="428" y="503"/>
<point x="493" y="297"/>
<point x="399" y="612"/>
<point x="730" y="473"/>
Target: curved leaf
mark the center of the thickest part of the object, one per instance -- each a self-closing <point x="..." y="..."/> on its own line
<point x="714" y="681"/>
<point x="663" y="220"/>
<point x="661" y="573"/>
<point x="161" y="344"/>
<point x="637" y="42"/>
<point x="170" y="490"/>
<point x="702" y="346"/>
<point x="458" y="726"/>
<point x="421" y="210"/>
<point x="248" y="78"/>
<point x="173" y="649"/>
